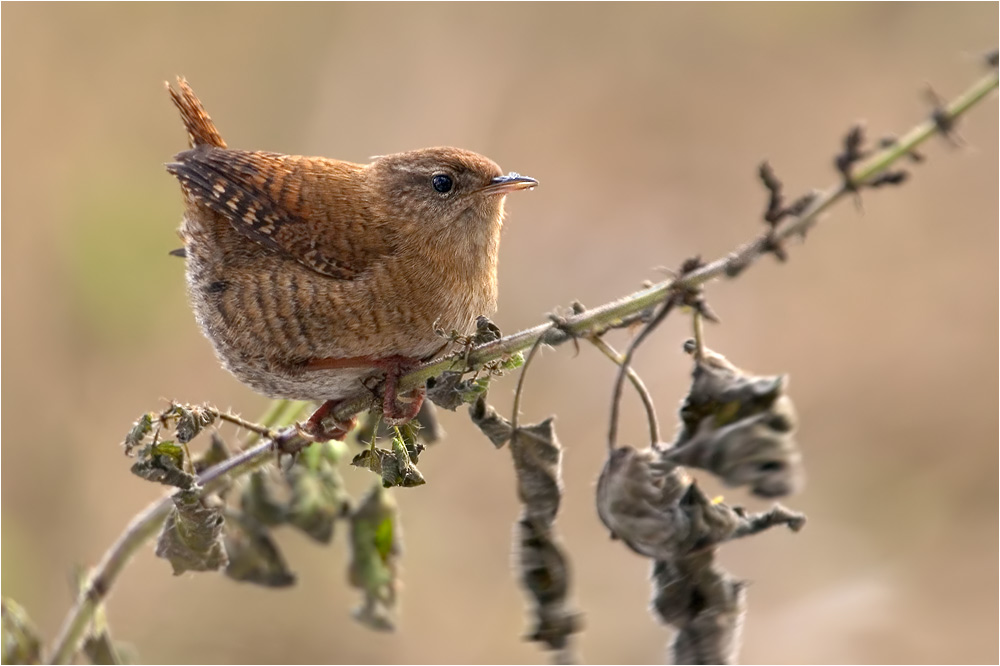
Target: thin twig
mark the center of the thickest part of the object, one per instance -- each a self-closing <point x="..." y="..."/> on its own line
<point x="616" y="397"/>
<point x="699" y="335"/>
<point x="647" y="400"/>
<point x="520" y="380"/>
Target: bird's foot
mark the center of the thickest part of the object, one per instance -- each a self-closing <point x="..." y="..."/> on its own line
<point x="398" y="409"/>
<point x="322" y="426"/>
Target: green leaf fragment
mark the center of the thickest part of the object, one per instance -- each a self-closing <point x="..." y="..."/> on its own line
<point x="191" y="538"/>
<point x="164" y="462"/>
<point x="375" y="549"/>
<point x="318" y="500"/>
<point x="20" y="637"/>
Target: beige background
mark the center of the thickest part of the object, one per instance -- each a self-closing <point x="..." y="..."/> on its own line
<point x="644" y="125"/>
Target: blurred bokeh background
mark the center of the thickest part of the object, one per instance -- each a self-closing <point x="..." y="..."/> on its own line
<point x="644" y="125"/>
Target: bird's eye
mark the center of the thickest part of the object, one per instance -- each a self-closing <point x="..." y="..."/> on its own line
<point x="442" y="183"/>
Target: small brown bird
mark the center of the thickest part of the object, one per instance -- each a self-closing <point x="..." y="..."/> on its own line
<point x="311" y="275"/>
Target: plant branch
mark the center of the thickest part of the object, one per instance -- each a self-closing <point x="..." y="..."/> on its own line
<point x="145" y="525"/>
<point x="626" y="310"/>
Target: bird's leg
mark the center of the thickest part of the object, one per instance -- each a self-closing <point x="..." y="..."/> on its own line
<point x="398" y="409"/>
<point x="317" y="428"/>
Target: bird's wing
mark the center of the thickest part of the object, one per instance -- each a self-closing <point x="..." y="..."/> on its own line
<point x="283" y="202"/>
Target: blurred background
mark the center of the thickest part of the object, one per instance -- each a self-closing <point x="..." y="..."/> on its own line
<point x="645" y="126"/>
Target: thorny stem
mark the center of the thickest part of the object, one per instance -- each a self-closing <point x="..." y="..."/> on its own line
<point x="144" y="526"/>
<point x="592" y="322"/>
<point x="625" y="310"/>
<point x="647" y="400"/>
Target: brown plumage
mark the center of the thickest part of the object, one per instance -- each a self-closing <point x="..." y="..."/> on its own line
<point x="310" y="275"/>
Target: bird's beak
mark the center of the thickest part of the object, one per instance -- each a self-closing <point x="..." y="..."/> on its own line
<point x="509" y="183"/>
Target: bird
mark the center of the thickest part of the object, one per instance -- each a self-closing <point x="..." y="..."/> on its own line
<point x="315" y="277"/>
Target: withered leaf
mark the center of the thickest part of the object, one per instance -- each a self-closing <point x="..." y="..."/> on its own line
<point x="496" y="428"/>
<point x="253" y="555"/>
<point x="190" y="421"/>
<point x="164" y="462"/>
<point x="449" y="390"/>
<point x="258" y="503"/>
<point x="191" y="538"/>
<point x="536" y="453"/>
<point x="544" y="573"/>
<point x="376" y="545"/>
<point x="140" y="429"/>
<point x="395" y="466"/>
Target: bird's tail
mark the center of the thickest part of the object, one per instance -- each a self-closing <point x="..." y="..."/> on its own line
<point x="200" y="128"/>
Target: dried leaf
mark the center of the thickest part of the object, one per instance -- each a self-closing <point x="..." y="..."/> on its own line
<point x="536" y="453"/>
<point x="654" y="507"/>
<point x="164" y="462"/>
<point x="376" y="545"/>
<point x="544" y="573"/>
<point x="395" y="466"/>
<point x="253" y="555"/>
<point x="496" y="428"/>
<point x="191" y="538"/>
<point x="258" y="503"/>
<point x="20" y="637"/>
<point x="449" y="390"/>
<point x="740" y="427"/>
<point x="704" y="603"/>
<point x="751" y="452"/>
<point x="190" y="421"/>
<point x="318" y="501"/>
<point x="140" y="429"/>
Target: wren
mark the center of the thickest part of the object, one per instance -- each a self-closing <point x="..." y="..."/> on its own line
<point x="311" y="276"/>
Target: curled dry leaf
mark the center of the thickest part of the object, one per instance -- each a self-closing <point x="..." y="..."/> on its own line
<point x="395" y="467"/>
<point x="191" y="420"/>
<point x="253" y="555"/>
<point x="654" y="507"/>
<point x="140" y="429"/>
<point x="496" y="428"/>
<point x="449" y="390"/>
<point x="191" y="538"/>
<point x="257" y="501"/>
<point x="740" y="427"/>
<point x="537" y="456"/>
<point x="545" y="575"/>
<point x="704" y="603"/>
